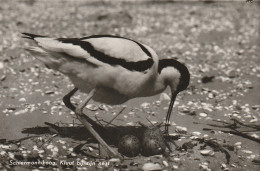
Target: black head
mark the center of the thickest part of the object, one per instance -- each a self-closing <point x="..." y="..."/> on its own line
<point x="185" y="74"/>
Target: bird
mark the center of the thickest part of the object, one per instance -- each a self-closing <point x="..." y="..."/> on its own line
<point x="111" y="70"/>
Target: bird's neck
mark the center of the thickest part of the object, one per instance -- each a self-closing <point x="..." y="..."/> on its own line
<point x="168" y="76"/>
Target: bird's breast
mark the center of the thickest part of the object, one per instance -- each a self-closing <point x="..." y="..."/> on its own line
<point x="115" y="85"/>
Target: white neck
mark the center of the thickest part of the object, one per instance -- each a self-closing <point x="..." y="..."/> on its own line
<point x="169" y="76"/>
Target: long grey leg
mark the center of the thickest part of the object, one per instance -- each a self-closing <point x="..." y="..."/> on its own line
<point x="68" y="104"/>
<point x="80" y="115"/>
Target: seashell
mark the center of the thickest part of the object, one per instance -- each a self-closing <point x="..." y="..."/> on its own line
<point x="165" y="163"/>
<point x="19" y="112"/>
<point x="203" y="115"/>
<point x="196" y="133"/>
<point x="151" y="166"/>
<point x="145" y="105"/>
<point x="2" y="65"/>
<point x="180" y="129"/>
<point x="92" y="107"/>
<point x="247" y="151"/>
<point x="114" y="160"/>
<point x="103" y="107"/>
<point x="207" y="152"/>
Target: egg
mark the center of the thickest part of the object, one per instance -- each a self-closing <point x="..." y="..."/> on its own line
<point x="129" y="145"/>
<point x="153" y="141"/>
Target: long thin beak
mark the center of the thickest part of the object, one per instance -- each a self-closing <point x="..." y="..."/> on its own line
<point x="170" y="110"/>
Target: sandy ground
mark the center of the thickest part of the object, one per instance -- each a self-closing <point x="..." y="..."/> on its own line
<point x="219" y="43"/>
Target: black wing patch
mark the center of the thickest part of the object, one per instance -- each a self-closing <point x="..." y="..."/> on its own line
<point x="139" y="44"/>
<point x="132" y="66"/>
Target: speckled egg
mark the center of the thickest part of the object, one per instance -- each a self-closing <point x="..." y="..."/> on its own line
<point x="153" y="142"/>
<point x="129" y="145"/>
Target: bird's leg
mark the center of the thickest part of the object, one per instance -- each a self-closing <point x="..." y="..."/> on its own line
<point x="68" y="104"/>
<point x="66" y="99"/>
<point x="167" y="124"/>
<point x="80" y="115"/>
<point x="166" y="130"/>
<point x="168" y="116"/>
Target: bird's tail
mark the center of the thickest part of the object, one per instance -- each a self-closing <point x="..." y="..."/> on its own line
<point x="31" y="36"/>
<point x="36" y="51"/>
<point x="45" y="50"/>
<point x="48" y="60"/>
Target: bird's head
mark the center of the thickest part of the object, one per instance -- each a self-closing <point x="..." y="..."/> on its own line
<point x="176" y="75"/>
